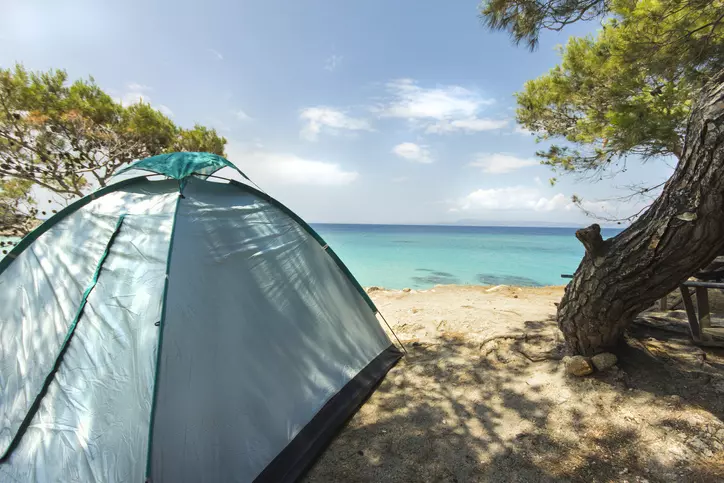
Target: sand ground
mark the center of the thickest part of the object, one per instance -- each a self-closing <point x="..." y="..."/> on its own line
<point x="483" y="396"/>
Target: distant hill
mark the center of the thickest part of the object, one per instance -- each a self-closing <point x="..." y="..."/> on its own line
<point x="551" y="224"/>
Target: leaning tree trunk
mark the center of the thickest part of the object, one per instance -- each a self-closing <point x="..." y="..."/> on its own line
<point x="682" y="231"/>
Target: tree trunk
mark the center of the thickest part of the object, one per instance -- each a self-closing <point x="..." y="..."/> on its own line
<point x="682" y="231"/>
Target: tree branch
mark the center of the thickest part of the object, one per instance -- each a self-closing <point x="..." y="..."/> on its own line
<point x="35" y="180"/>
<point x="592" y="240"/>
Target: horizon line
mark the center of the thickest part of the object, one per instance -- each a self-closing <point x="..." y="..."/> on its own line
<point x="459" y="225"/>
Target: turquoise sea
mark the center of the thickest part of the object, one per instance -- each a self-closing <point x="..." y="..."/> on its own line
<point x="399" y="256"/>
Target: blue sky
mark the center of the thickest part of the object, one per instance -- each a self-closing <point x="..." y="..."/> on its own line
<point x="359" y="112"/>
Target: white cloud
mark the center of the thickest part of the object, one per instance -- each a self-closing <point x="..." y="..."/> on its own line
<point x="242" y="116"/>
<point x="555" y="202"/>
<point x="468" y="125"/>
<point x="284" y="168"/>
<point x="136" y="93"/>
<point x="134" y="86"/>
<point x="329" y="120"/>
<point x="538" y="181"/>
<point x="411" y="101"/>
<point x="413" y="152"/>
<point x="216" y="54"/>
<point x="164" y="110"/>
<point x="604" y="207"/>
<point x="521" y="130"/>
<point x="512" y="198"/>
<point x="498" y="163"/>
<point x="130" y="98"/>
<point x="269" y="168"/>
<point x="439" y="110"/>
<point x="332" y="62"/>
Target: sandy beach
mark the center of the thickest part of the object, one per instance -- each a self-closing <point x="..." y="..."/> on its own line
<point x="482" y="395"/>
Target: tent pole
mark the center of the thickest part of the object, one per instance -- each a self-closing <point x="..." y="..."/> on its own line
<point x="393" y="332"/>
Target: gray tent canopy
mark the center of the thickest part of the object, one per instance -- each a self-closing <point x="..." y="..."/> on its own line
<point x="179" y="330"/>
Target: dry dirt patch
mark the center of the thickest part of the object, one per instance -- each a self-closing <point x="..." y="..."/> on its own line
<point x="482" y="396"/>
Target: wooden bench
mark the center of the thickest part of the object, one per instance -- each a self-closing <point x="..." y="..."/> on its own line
<point x="700" y="319"/>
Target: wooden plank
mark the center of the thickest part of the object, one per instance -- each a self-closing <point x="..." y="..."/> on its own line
<point x="690" y="313"/>
<point x="663" y="322"/>
<point x="664" y="303"/>
<point x="716" y="332"/>
<point x="702" y="305"/>
<point x="694" y="283"/>
<point x="713" y="337"/>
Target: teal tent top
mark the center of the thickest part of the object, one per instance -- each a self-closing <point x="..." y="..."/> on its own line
<point x="182" y="165"/>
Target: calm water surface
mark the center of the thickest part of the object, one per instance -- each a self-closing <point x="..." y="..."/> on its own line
<point x="398" y="256"/>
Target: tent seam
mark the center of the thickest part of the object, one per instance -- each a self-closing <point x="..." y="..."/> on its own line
<point x="63" y="347"/>
<point x="161" y="326"/>
<point x="61" y="215"/>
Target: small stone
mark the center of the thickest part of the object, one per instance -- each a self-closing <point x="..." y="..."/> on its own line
<point x="373" y="289"/>
<point x="515" y="296"/>
<point x="578" y="366"/>
<point x="604" y="360"/>
<point x="406" y="289"/>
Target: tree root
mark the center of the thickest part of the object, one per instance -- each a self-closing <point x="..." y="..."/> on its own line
<point x="551" y="355"/>
<point x="538" y="358"/>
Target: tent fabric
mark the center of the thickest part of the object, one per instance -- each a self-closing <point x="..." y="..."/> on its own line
<point x="266" y="345"/>
<point x="316" y="236"/>
<point x="306" y="333"/>
<point x="41" y="286"/>
<point x="180" y="165"/>
<point x="59" y="266"/>
<point x="50" y="375"/>
<point x="299" y="454"/>
<point x="28" y="239"/>
<point x="108" y="365"/>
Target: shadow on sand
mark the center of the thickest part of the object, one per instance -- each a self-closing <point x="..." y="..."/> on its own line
<point x="504" y="410"/>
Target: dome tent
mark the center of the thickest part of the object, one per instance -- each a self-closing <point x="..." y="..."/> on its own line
<point x="179" y="330"/>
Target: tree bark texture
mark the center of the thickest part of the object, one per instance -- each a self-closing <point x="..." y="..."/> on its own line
<point x="682" y="231"/>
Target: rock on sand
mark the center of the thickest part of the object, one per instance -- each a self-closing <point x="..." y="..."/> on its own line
<point x="578" y="365"/>
<point x="604" y="360"/>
